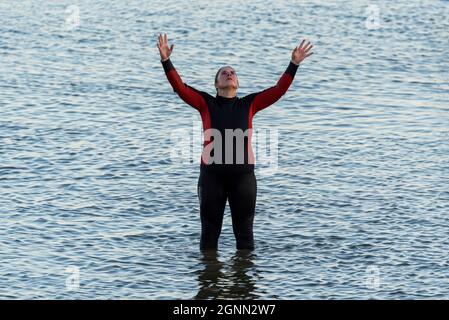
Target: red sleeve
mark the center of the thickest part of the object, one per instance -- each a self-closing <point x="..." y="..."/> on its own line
<point x="190" y="95"/>
<point x="269" y="96"/>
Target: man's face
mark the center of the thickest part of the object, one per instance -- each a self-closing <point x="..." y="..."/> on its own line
<point x="227" y="78"/>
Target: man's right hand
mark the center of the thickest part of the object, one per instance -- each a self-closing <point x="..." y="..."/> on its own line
<point x="164" y="50"/>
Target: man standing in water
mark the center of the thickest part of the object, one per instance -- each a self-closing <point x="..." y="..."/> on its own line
<point x="226" y="171"/>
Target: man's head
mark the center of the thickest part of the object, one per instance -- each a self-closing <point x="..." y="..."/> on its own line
<point x="226" y="78"/>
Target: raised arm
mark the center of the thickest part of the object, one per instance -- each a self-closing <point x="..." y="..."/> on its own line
<point x="269" y="96"/>
<point x="190" y="95"/>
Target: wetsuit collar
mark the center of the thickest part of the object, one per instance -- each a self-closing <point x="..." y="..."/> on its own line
<point x="225" y="98"/>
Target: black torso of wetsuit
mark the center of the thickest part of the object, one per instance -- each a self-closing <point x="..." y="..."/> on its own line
<point x="231" y="118"/>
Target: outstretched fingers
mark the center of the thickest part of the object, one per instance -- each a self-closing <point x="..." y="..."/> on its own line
<point x="159" y="41"/>
<point x="162" y="41"/>
<point x="308" y="47"/>
<point x="162" y="38"/>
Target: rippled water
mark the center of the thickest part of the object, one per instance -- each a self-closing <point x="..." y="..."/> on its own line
<point x="357" y="209"/>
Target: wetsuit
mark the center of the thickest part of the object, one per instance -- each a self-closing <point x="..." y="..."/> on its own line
<point x="227" y="178"/>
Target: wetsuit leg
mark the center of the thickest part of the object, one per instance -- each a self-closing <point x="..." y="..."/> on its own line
<point x="212" y="197"/>
<point x="242" y="202"/>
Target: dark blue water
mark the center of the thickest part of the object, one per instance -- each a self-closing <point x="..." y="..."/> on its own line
<point x="357" y="208"/>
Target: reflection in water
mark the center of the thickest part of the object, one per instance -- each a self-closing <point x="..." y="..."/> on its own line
<point x="236" y="283"/>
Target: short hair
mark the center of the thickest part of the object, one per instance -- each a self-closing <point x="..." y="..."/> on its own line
<point x="216" y="76"/>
